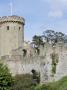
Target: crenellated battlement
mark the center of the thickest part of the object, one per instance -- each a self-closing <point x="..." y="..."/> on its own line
<point x="12" y="19"/>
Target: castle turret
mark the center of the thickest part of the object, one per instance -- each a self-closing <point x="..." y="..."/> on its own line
<point x="11" y="34"/>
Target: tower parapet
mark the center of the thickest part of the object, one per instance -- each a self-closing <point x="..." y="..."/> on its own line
<point x="13" y="18"/>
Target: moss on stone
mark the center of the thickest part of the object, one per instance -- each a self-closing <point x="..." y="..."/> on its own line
<point x="55" y="60"/>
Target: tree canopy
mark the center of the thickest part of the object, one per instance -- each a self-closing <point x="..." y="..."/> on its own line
<point x="48" y="36"/>
<point x="51" y="35"/>
<point x="37" y="40"/>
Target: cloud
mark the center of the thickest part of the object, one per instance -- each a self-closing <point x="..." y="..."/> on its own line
<point x="56" y="8"/>
<point x="55" y="14"/>
<point x="59" y="1"/>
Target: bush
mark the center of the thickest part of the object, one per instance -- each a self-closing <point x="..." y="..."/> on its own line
<point x="6" y="79"/>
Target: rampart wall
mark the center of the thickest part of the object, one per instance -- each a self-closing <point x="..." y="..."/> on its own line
<point x="42" y="62"/>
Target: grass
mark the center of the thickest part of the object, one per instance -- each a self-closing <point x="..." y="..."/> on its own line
<point x="24" y="82"/>
<point x="58" y="85"/>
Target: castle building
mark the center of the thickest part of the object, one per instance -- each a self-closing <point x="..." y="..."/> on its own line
<point x="21" y="57"/>
<point x="11" y="34"/>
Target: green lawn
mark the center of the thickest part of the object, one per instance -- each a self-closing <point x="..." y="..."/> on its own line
<point x="58" y="85"/>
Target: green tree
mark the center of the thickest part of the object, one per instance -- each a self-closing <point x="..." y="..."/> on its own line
<point x="37" y="40"/>
<point x="49" y="35"/>
<point x="6" y="79"/>
<point x="53" y="36"/>
<point x="60" y="36"/>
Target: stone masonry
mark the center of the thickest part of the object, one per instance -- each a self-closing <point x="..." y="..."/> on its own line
<point x="21" y="57"/>
<point x="11" y="34"/>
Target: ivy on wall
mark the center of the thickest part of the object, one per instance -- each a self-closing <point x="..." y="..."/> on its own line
<point x="55" y="60"/>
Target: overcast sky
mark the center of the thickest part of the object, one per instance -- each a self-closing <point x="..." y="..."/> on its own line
<point x="39" y="15"/>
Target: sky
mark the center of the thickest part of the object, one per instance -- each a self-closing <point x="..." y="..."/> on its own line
<point x="39" y="15"/>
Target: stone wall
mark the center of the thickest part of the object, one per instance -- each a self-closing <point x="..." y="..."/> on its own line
<point x="42" y="62"/>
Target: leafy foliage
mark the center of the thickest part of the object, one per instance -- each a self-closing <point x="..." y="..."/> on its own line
<point x="37" y="40"/>
<point x="49" y="36"/>
<point x="54" y="37"/>
<point x="55" y="60"/>
<point x="6" y="79"/>
<point x="59" y="36"/>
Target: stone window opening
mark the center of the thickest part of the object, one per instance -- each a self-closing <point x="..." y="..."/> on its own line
<point x="24" y="52"/>
<point x="35" y="77"/>
<point x="19" y="28"/>
<point x="7" y="27"/>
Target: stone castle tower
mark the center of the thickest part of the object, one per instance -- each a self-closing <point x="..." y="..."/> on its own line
<point x="11" y="34"/>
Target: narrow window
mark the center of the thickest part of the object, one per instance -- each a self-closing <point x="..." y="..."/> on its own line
<point x="7" y="27"/>
<point x="24" y="52"/>
<point x="19" y="28"/>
